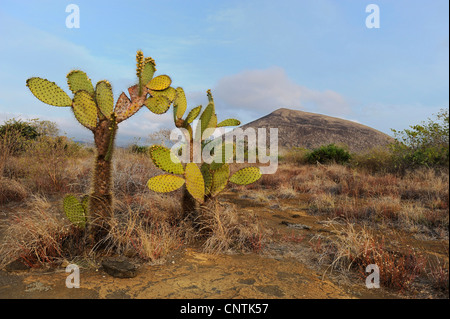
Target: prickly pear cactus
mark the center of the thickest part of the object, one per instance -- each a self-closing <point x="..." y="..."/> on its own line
<point x="94" y="108"/>
<point x="210" y="179"/>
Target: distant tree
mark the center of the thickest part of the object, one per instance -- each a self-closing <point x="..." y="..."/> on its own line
<point x="426" y="144"/>
<point x="15" y="135"/>
<point x="25" y="128"/>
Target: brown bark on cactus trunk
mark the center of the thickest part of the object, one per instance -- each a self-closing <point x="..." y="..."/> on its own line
<point x="188" y="203"/>
<point x="101" y="199"/>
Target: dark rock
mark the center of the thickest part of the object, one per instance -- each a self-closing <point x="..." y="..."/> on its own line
<point x="272" y="290"/>
<point x="248" y="281"/>
<point x="119" y="267"/>
<point x="276" y="206"/>
<point x="17" y="265"/>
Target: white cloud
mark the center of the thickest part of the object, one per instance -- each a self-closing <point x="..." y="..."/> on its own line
<point x="270" y="89"/>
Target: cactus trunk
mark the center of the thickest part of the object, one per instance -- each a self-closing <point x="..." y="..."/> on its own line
<point x="188" y="203"/>
<point x="101" y="199"/>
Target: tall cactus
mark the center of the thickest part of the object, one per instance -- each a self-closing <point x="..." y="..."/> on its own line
<point x="206" y="182"/>
<point x="94" y="108"/>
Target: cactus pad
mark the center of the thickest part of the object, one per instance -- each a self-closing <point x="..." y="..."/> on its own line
<point x="194" y="182"/>
<point x="246" y="176"/>
<point x="161" y="82"/>
<point x="78" y="80"/>
<point x="122" y="105"/>
<point x="207" y="177"/>
<point x="48" y="92"/>
<point x="193" y="114"/>
<point x="205" y="118"/>
<point x="180" y="102"/>
<point x="147" y="72"/>
<point x="160" y="156"/>
<point x="105" y="98"/>
<point x="158" y="104"/>
<point x="169" y="93"/>
<point x="85" y="202"/>
<point x="165" y="183"/>
<point x="85" y="109"/>
<point x="229" y="122"/>
<point x="220" y="179"/>
<point x="74" y="211"/>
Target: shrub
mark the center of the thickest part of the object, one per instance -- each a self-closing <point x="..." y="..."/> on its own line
<point x="423" y="145"/>
<point x="295" y="155"/>
<point x="376" y="160"/>
<point x="329" y="154"/>
<point x="137" y="149"/>
<point x="26" y="129"/>
<point x="14" y="137"/>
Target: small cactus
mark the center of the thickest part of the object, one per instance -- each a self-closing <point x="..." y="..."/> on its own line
<point x="210" y="179"/>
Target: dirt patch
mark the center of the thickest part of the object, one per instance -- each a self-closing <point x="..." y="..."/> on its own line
<point x="193" y="275"/>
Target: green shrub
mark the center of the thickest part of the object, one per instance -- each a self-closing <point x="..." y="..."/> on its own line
<point x="137" y="149"/>
<point x="16" y="134"/>
<point x="423" y="145"/>
<point x="329" y="154"/>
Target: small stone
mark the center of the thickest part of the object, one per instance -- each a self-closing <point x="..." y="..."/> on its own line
<point x="17" y="265"/>
<point x="247" y="281"/>
<point x="37" y="287"/>
<point x="119" y="267"/>
<point x="296" y="226"/>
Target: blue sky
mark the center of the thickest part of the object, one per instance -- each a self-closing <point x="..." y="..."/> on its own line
<point x="255" y="55"/>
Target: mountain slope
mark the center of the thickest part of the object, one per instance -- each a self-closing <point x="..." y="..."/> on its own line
<point x="311" y="130"/>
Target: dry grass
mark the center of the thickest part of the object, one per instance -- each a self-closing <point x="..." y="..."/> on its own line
<point x="11" y="190"/>
<point x="140" y="232"/>
<point x="354" y="248"/>
<point x="418" y="200"/>
<point x="225" y="230"/>
<point x="35" y="235"/>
